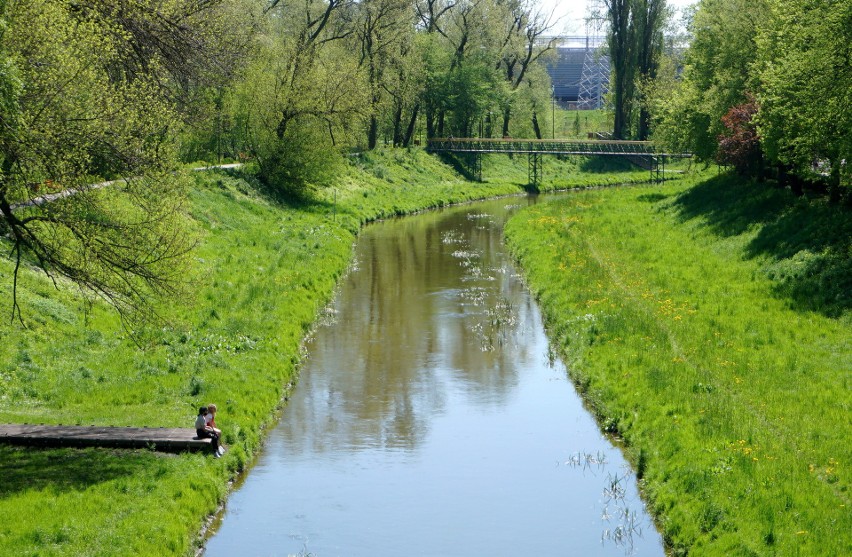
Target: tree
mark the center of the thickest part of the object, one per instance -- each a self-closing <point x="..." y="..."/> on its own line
<point x="464" y="32"/>
<point x="622" y="53"/>
<point x="650" y="15"/>
<point x="664" y="96"/>
<point x="302" y="94"/>
<point x="805" y="115"/>
<point x="739" y="146"/>
<point x="384" y="31"/>
<point x="634" y="43"/>
<point x="90" y="91"/>
<point x="481" y="58"/>
<point x="405" y="87"/>
<point x="717" y="74"/>
<point x="470" y="91"/>
<point x="460" y="74"/>
<point x="521" y="48"/>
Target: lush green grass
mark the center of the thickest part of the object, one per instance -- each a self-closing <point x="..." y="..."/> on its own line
<point x="709" y="326"/>
<point x="262" y="271"/>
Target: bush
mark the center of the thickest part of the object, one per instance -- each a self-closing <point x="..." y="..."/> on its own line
<point x="304" y="156"/>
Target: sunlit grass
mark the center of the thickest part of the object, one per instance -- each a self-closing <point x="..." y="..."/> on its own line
<point x="732" y="392"/>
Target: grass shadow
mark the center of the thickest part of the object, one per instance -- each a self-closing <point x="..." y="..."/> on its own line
<point x="603" y="164"/>
<point x="652" y="197"/>
<point x="807" y="243"/>
<point x="62" y="470"/>
<point x="304" y="200"/>
<point x="731" y="207"/>
<point x="462" y="163"/>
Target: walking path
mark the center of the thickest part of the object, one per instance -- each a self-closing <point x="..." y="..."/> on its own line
<point x="47" y="198"/>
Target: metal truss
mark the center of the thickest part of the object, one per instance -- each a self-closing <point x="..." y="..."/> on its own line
<point x="594" y="79"/>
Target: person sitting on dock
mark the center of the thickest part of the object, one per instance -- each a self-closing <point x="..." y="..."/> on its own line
<point x="204" y="430"/>
<point x="211" y="422"/>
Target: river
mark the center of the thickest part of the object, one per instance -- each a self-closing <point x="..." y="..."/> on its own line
<point x="431" y="419"/>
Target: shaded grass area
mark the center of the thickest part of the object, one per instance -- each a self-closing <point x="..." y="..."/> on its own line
<point x="263" y="269"/>
<point x="97" y="502"/>
<point x="733" y="396"/>
<point x="805" y="245"/>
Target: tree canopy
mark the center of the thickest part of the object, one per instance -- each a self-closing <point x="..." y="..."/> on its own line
<point x="94" y="91"/>
<point x="791" y="61"/>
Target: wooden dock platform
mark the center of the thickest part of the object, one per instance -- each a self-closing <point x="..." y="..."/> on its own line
<point x="157" y="438"/>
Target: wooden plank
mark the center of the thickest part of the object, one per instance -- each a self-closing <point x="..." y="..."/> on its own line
<point x="161" y="439"/>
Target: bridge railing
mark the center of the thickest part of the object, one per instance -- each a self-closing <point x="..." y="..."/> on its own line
<point x="553" y="146"/>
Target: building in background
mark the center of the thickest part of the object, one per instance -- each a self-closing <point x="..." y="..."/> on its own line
<point x="579" y="72"/>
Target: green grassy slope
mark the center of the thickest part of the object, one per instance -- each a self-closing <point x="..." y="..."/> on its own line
<point x="709" y="327"/>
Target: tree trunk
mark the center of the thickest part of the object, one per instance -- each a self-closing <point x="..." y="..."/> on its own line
<point x="620" y="126"/>
<point x="409" y="132"/>
<point x="536" y="127"/>
<point x="397" y="125"/>
<point x="834" y="192"/>
<point x="372" y="132"/>
<point x="623" y="62"/>
<point x="644" y="124"/>
<point x="507" y="114"/>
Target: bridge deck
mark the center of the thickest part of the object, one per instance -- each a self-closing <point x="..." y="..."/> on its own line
<point x="161" y="439"/>
<point x="549" y="146"/>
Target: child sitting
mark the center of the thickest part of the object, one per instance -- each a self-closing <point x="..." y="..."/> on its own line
<point x="205" y="431"/>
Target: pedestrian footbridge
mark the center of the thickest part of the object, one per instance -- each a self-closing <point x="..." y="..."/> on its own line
<point x="647" y="154"/>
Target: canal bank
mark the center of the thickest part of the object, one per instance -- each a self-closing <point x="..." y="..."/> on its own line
<point x="693" y="326"/>
<point x="263" y="271"/>
<point x="431" y="418"/>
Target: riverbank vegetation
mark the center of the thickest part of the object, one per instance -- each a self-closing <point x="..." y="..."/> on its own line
<point x="92" y="92"/>
<point x="707" y="325"/>
<point x="261" y="271"/>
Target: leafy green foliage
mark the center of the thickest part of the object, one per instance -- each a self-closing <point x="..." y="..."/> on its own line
<point x="299" y="97"/>
<point x="91" y="92"/>
<point x="792" y="58"/>
<point x="805" y="115"/>
<point x="303" y="156"/>
<point x="718" y="74"/>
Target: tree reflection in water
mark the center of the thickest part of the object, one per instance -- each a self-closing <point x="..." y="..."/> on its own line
<point x="428" y="415"/>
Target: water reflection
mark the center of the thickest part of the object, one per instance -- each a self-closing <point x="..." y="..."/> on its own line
<point x="429" y="415"/>
<point x="436" y="305"/>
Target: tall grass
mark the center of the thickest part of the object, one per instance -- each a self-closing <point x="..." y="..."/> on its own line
<point x="731" y="392"/>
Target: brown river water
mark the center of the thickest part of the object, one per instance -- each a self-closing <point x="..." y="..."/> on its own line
<point x="431" y="419"/>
